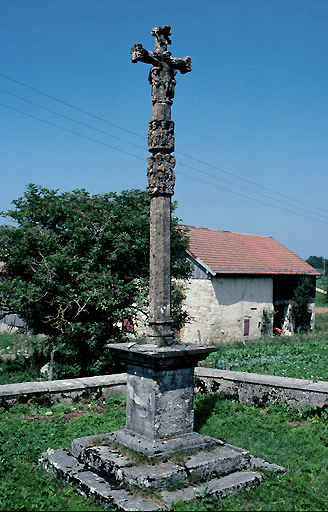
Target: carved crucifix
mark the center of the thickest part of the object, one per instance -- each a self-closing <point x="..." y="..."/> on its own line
<point x="161" y="178"/>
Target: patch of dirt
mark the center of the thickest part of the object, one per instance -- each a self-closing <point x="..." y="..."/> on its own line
<point x="321" y="311"/>
<point x="68" y="416"/>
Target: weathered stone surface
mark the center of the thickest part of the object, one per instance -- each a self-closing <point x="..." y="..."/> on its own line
<point x="90" y="484"/>
<point x="158" y="476"/>
<point x="63" y="391"/>
<point x="161" y="136"/>
<point x="160" y="403"/>
<point x="105" y="459"/>
<point x="256" y="462"/>
<point x="154" y="449"/>
<point x="61" y="464"/>
<point x="161" y="178"/>
<point x="219" y="461"/>
<point x="181" y="355"/>
<point x="101" y="471"/>
<point x="217" y="487"/>
<point x="160" y="321"/>
<point x="160" y="388"/>
<point x="127" y="502"/>
<point x="261" y="390"/>
<point x="80" y="444"/>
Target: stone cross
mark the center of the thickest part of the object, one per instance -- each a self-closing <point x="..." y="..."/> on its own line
<point x="161" y="179"/>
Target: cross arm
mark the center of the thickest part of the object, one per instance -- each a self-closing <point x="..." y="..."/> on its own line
<point x="138" y="53"/>
<point x="183" y="65"/>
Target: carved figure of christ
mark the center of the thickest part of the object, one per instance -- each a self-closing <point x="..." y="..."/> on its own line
<point x="161" y="178"/>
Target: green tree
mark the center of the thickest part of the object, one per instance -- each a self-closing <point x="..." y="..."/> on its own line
<point x="75" y="265"/>
<point x="316" y="262"/>
<point x="302" y="297"/>
<point x="321" y="264"/>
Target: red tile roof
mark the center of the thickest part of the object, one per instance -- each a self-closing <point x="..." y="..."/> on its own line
<point x="224" y="252"/>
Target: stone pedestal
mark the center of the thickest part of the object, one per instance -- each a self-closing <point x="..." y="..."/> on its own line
<point x="160" y="393"/>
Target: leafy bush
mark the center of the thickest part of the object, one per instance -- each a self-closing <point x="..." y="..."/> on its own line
<point x="266" y="329"/>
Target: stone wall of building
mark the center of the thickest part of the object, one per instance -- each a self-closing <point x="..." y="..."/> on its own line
<point x="226" y="308"/>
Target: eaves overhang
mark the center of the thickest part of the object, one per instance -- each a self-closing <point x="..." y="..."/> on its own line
<point x="207" y="269"/>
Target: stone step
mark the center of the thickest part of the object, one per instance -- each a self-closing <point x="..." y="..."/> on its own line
<point x="108" y="462"/>
<point x="96" y="467"/>
<point x="89" y="484"/>
<point x="217" y="487"/>
<point x="101" y="454"/>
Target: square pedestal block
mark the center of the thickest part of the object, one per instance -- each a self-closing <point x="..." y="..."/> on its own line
<point x="160" y="388"/>
<point x="160" y="403"/>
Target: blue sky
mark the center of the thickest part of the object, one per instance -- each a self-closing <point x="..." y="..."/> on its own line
<point x="251" y="118"/>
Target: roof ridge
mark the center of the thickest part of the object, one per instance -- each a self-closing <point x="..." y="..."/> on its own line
<point x="225" y="231"/>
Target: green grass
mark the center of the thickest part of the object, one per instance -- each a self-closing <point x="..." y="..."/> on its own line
<point x="27" y="354"/>
<point x="302" y="356"/>
<point x="321" y="299"/>
<point x="17" y="343"/>
<point x="279" y="434"/>
<point x="26" y="434"/>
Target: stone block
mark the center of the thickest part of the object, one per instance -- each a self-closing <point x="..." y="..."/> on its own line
<point x="90" y="484"/>
<point x="217" y="487"/>
<point x="256" y="462"/>
<point x="127" y="502"/>
<point x="80" y="444"/>
<point x="158" y="476"/>
<point x="219" y="461"/>
<point x="160" y="403"/>
<point x="62" y="464"/>
<point x="161" y="448"/>
<point x="105" y="459"/>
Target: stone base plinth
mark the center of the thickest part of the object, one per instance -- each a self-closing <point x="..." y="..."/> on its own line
<point x="136" y="468"/>
<point x="100" y="467"/>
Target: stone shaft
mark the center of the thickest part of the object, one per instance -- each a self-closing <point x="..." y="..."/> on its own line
<point x="160" y="321"/>
<point x="161" y="177"/>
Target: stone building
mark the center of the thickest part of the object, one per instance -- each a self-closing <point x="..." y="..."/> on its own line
<point x="238" y="282"/>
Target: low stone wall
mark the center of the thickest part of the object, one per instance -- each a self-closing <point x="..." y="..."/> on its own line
<point x="62" y="391"/>
<point x="259" y="390"/>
